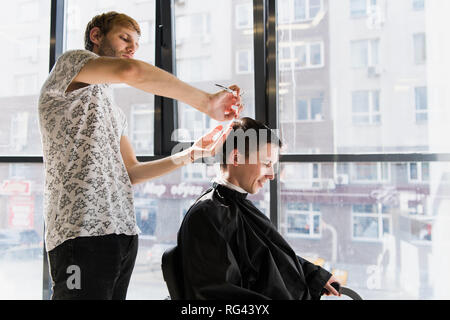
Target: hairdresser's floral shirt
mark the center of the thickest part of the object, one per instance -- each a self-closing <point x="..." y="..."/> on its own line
<point x="87" y="188"/>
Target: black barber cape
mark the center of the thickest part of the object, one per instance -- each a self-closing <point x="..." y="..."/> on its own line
<point x="230" y="250"/>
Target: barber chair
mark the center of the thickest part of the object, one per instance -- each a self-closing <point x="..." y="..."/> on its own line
<point x="172" y="273"/>
<point x="173" y="276"/>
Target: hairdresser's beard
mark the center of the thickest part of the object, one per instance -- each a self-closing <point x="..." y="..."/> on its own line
<point x="106" y="50"/>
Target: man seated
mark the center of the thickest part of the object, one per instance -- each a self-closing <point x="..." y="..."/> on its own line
<point x="228" y="248"/>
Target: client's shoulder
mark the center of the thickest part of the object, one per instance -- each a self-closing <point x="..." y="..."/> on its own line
<point x="208" y="206"/>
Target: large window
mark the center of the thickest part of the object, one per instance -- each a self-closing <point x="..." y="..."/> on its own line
<point x="25" y="34"/>
<point x="372" y="223"/>
<point x="374" y="230"/>
<point x="25" y="29"/>
<point x="362" y="99"/>
<point x="219" y="50"/>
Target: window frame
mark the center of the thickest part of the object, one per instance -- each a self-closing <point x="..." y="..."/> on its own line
<point x="371" y="61"/>
<point x="371" y="112"/>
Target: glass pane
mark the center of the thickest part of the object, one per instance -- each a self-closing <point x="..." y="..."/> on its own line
<point x="360" y="54"/>
<point x="316" y="109"/>
<point x="244" y="15"/>
<point x="300" y="9"/>
<point x="316" y="55"/>
<point x="78" y="14"/>
<point x="365" y="228"/>
<point x="384" y="238"/>
<point x="299" y="56"/>
<point x="221" y="48"/>
<point x="421" y="98"/>
<point x="360" y="101"/>
<point x="298" y="223"/>
<point x="25" y="31"/>
<point x="358" y="8"/>
<point x="418" y="4"/>
<point x="302" y="110"/>
<point x="407" y="103"/>
<point x="420" y="55"/>
<point x="21" y="231"/>
<point x="314" y="8"/>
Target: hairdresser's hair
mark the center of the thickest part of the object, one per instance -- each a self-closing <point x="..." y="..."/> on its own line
<point x="241" y="129"/>
<point x="105" y="22"/>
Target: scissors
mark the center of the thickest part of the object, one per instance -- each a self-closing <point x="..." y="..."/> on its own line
<point x="228" y="89"/>
<point x="232" y="92"/>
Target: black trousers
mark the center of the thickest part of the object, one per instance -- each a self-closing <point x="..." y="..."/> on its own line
<point x="93" y="268"/>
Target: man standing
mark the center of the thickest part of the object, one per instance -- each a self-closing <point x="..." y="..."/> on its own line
<point x="89" y="162"/>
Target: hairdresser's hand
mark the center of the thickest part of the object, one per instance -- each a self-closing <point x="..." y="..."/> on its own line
<point x="330" y="289"/>
<point x="207" y="146"/>
<point x="220" y="106"/>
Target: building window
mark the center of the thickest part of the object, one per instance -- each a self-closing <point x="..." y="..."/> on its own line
<point x="364" y="53"/>
<point x="362" y="8"/>
<point x="310" y="109"/>
<point x="298" y="10"/>
<point x="301" y="56"/>
<point x="370" y="172"/>
<point x="418" y="5"/>
<point x="303" y="219"/>
<point x="421" y="98"/>
<point x="244" y="16"/>
<point x="420" y="49"/>
<point x="366" y="107"/>
<point x="244" y="61"/>
<point x="418" y="172"/>
<point x="370" y="221"/>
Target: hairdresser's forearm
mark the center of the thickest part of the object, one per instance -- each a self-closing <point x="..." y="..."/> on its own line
<point x="151" y="79"/>
<point x="144" y="171"/>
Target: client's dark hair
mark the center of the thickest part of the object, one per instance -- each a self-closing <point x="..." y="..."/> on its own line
<point x="241" y="137"/>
